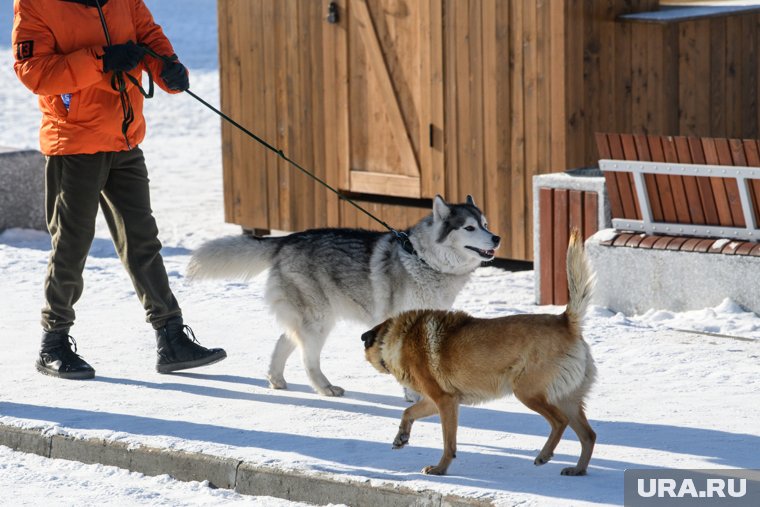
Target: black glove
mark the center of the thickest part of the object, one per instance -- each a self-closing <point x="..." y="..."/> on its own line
<point x="175" y="76"/>
<point x="123" y="57"/>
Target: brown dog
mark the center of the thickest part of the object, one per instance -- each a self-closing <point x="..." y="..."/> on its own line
<point x="452" y="358"/>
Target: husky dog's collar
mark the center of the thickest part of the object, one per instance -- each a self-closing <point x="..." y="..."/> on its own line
<point x="406" y="244"/>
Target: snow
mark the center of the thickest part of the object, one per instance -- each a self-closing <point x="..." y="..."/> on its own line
<point x="675" y="390"/>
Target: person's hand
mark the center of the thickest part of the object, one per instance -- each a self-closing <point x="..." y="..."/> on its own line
<point x="122" y="57"/>
<point x="175" y="76"/>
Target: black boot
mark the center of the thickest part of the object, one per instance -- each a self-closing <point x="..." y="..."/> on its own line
<point x="177" y="351"/>
<point x="57" y="358"/>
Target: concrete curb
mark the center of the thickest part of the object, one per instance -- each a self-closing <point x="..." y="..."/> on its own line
<point x="245" y="478"/>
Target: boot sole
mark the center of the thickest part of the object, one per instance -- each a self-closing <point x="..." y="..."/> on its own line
<point x="186" y="365"/>
<point x="72" y="375"/>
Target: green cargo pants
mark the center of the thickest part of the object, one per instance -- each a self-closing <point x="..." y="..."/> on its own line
<point x="74" y="185"/>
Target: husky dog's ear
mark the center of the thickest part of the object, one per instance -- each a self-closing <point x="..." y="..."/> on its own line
<point x="470" y="201"/>
<point x="369" y="338"/>
<point x="441" y="210"/>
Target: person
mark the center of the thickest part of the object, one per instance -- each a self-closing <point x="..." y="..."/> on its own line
<point x="85" y="60"/>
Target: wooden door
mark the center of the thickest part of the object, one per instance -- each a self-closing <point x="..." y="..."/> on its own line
<point x="394" y="94"/>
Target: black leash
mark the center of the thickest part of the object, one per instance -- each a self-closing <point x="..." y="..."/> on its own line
<point x="402" y="237"/>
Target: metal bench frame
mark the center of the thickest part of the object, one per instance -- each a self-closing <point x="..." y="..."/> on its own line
<point x="638" y="169"/>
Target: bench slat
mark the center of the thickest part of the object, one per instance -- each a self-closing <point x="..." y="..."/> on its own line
<point x="653" y="193"/>
<point x="624" y="180"/>
<point x="732" y="188"/>
<point x="561" y="236"/>
<point x="752" y="155"/>
<point x="718" y="185"/>
<point x="610" y="179"/>
<point x="676" y="183"/>
<point x="705" y="187"/>
<point x="663" y="181"/>
<point x="693" y="200"/>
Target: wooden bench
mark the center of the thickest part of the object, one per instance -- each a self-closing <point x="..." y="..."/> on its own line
<point x="684" y="194"/>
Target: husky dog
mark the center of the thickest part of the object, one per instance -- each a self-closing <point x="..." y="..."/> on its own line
<point x="452" y="358"/>
<point x="319" y="276"/>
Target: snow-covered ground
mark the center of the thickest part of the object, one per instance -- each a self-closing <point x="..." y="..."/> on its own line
<point x="664" y="397"/>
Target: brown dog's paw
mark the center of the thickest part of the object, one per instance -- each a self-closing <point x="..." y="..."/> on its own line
<point x="542" y="459"/>
<point x="401" y="440"/>
<point x="434" y="470"/>
<point x="573" y="471"/>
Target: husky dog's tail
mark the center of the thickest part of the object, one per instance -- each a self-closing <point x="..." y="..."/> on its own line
<point x="239" y="257"/>
<point x="580" y="281"/>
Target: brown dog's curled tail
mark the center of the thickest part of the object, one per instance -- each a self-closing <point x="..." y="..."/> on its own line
<point x="580" y="281"/>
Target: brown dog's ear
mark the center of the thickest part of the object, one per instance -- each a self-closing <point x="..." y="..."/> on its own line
<point x="369" y="338"/>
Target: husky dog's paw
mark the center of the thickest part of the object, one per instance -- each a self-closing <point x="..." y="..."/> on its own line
<point x="434" y="470"/>
<point x="401" y="440"/>
<point x="542" y="459"/>
<point x="277" y="382"/>
<point x="573" y="471"/>
<point x="331" y="391"/>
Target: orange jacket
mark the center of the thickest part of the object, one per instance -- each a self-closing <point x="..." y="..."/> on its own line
<point x="58" y="46"/>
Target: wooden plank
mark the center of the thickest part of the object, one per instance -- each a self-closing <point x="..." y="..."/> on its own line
<point x="624" y="182"/>
<point x="623" y="239"/>
<point x="693" y="199"/>
<point x="270" y="112"/>
<point x="755" y="252"/>
<point x="748" y="68"/>
<point x="705" y="186"/>
<point x="557" y="82"/>
<point x="498" y="134"/>
<point x="662" y="242"/>
<point x="546" y="246"/>
<point x="451" y="69"/>
<point x="635" y="240"/>
<point x="575" y="203"/>
<point x="732" y="188"/>
<point x="334" y="62"/>
<point x="676" y="182"/>
<point x="676" y="243"/>
<point x="752" y="156"/>
<point x="561" y="236"/>
<point x="750" y="76"/>
<point x="717" y="246"/>
<point x="745" y="248"/>
<point x="653" y="193"/>
<point x="718" y="185"/>
<point x="474" y="146"/>
<point x="649" y="241"/>
<point x="704" y="245"/>
<point x="385" y="184"/>
<point x="544" y="113"/>
<point x="733" y="92"/>
<point x="590" y="214"/>
<point x="630" y="153"/>
<point x="717" y="78"/>
<point x="731" y="247"/>
<point x="392" y="107"/>
<point x="518" y="188"/>
<point x="666" y="51"/>
<point x="690" y="244"/>
<point x="663" y="182"/>
<point x="694" y="64"/>
<point x="308" y="194"/>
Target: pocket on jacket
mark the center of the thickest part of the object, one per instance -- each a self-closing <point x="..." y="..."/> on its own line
<point x="57" y="107"/>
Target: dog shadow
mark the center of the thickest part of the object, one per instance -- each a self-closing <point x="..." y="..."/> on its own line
<point x="101" y="248"/>
<point x="719" y="447"/>
<point x="345" y="455"/>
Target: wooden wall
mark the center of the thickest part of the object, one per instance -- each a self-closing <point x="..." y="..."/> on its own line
<point x="526" y="84"/>
<point x="695" y="77"/>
